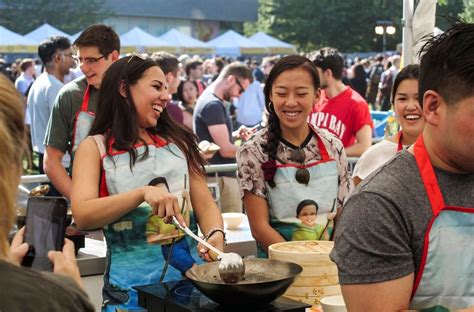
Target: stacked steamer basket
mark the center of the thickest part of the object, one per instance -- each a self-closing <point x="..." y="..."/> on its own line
<point x="319" y="277"/>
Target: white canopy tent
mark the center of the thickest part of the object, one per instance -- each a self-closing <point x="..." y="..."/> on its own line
<point x="45" y="31"/>
<point x="234" y="44"/>
<point x="185" y="43"/>
<point x="138" y="40"/>
<point x="11" y="42"/>
<point x="273" y="45"/>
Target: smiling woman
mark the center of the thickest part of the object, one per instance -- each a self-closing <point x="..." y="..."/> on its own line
<point x="409" y="116"/>
<point x="138" y="169"/>
<point x="290" y="162"/>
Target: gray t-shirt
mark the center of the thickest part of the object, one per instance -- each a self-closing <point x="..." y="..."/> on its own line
<point x="24" y="289"/>
<point x="381" y="229"/>
<point x="209" y="111"/>
<point x="59" y="132"/>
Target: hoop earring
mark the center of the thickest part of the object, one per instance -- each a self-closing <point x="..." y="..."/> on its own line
<point x="271" y="109"/>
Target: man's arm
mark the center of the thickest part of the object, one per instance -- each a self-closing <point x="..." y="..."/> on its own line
<point x="363" y="142"/>
<point x="220" y="136"/>
<point x="55" y="171"/>
<point x="391" y="295"/>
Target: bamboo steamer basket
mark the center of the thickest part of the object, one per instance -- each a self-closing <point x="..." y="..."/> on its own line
<point x="319" y="277"/>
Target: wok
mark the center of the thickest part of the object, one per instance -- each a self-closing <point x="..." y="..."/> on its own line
<point x="265" y="280"/>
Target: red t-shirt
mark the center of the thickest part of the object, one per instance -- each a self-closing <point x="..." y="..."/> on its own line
<point x="342" y="115"/>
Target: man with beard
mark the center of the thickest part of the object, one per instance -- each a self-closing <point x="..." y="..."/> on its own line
<point x="212" y="123"/>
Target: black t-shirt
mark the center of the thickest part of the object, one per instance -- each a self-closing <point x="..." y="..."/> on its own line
<point x="24" y="289"/>
<point x="209" y="111"/>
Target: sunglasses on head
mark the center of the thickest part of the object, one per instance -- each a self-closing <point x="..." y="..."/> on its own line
<point x="302" y="175"/>
<point x="135" y="54"/>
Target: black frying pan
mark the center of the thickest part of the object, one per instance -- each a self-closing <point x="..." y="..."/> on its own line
<point x="265" y="280"/>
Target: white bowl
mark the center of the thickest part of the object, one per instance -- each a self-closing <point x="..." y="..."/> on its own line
<point x="333" y="304"/>
<point x="233" y="219"/>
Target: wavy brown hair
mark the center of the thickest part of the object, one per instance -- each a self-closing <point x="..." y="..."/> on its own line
<point x="116" y="117"/>
<point x="12" y="146"/>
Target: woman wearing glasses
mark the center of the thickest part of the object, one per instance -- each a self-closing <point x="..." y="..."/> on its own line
<point x="140" y="165"/>
<point x="289" y="161"/>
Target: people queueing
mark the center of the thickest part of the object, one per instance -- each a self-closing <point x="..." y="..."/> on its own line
<point x="404" y="238"/>
<point x="137" y="170"/>
<point x="98" y="47"/>
<point x="290" y="160"/>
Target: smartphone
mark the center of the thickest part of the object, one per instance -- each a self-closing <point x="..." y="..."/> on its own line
<point x="45" y="228"/>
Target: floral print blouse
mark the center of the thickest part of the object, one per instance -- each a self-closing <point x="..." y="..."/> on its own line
<point x="250" y="158"/>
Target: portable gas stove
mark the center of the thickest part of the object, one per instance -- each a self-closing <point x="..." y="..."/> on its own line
<point x="182" y="296"/>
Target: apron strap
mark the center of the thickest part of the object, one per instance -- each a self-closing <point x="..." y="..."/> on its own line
<point x="400" y="146"/>
<point x="85" y="100"/>
<point x="322" y="148"/>
<point x="428" y="176"/>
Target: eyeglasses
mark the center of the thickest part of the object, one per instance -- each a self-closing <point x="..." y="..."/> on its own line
<point x="89" y="61"/>
<point x="302" y="175"/>
<point x="242" y="90"/>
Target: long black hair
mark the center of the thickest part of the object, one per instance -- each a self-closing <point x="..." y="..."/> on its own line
<point x="116" y="116"/>
<point x="274" y="130"/>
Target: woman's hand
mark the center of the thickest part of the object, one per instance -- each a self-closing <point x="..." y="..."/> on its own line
<point x="18" y="247"/>
<point x="216" y="240"/>
<point x="164" y="204"/>
<point x="65" y="262"/>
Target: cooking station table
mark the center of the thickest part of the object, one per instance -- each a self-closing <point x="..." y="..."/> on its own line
<point x="182" y="296"/>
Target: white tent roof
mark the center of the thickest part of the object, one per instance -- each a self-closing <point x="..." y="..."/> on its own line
<point x="274" y="45"/>
<point x="185" y="43"/>
<point x="139" y="40"/>
<point x="11" y="42"/>
<point x="75" y="36"/>
<point x="234" y="44"/>
<point x="45" y="31"/>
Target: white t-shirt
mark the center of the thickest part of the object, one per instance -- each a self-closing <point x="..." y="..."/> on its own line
<point x="374" y="157"/>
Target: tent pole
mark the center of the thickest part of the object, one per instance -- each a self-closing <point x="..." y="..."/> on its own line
<point x="407" y="22"/>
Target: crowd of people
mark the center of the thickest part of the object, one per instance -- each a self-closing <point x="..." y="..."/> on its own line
<point x="132" y="124"/>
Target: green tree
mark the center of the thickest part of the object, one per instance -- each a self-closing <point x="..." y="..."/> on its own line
<point x="468" y="13"/>
<point x="348" y="24"/>
<point x="23" y="16"/>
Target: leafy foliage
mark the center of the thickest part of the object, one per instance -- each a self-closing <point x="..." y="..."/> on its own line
<point x="23" y="16"/>
<point x="468" y="14"/>
<point x="345" y="24"/>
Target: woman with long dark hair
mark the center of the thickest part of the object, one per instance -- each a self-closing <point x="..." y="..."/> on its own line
<point x="409" y="116"/>
<point x="138" y="169"/>
<point x="289" y="160"/>
<point x="187" y="95"/>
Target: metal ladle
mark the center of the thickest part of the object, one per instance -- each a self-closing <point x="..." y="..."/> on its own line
<point x="231" y="265"/>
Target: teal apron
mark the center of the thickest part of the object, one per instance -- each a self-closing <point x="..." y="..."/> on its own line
<point x="135" y="253"/>
<point x="284" y="198"/>
<point x="445" y="280"/>
<point x="82" y="122"/>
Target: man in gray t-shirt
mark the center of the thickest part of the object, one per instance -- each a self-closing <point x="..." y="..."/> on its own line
<point x="404" y="237"/>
